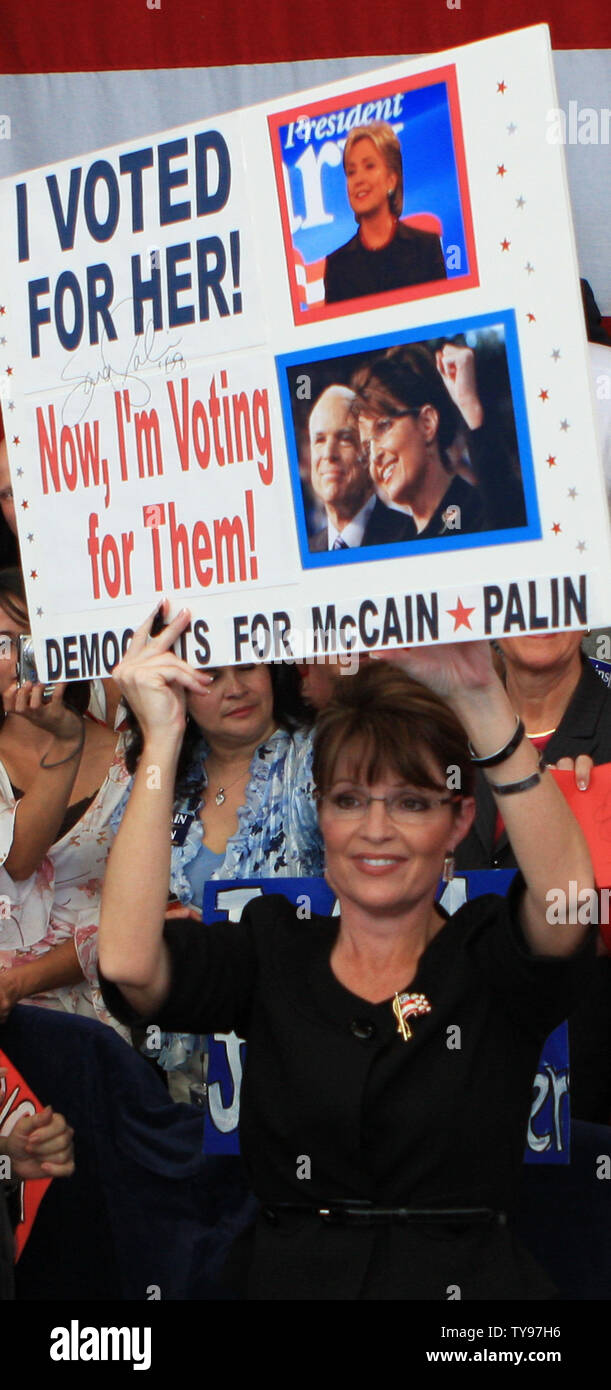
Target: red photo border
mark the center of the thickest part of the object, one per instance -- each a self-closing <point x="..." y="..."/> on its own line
<point x="468" y="281"/>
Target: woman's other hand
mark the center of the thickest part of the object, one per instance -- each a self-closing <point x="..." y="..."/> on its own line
<point x="40" y="1146"/>
<point x="187" y="913"/>
<point x="457" y="367"/>
<point x="51" y="714"/>
<point x="581" y="766"/>
<point x="154" y="680"/>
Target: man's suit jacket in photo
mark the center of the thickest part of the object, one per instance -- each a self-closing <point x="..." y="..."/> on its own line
<point x="384" y="525"/>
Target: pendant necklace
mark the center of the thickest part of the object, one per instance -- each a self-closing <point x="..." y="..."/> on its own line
<point x="221" y="792"/>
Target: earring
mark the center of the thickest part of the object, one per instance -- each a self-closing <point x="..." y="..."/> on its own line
<point x="449" y="865"/>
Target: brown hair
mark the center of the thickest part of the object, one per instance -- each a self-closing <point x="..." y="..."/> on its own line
<point x="388" y="147"/>
<point x="391" y="722"/>
<point x="13" y="601"/>
<point x="405" y="377"/>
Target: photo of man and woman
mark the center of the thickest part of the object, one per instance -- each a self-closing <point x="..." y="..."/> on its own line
<point x="421" y="444"/>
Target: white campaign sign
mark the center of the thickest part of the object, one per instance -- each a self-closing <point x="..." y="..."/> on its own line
<point x="172" y="312"/>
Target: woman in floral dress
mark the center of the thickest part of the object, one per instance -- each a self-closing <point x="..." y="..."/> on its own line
<point x="61" y="777"/>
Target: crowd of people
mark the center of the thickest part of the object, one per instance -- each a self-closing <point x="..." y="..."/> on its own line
<point x="110" y="828"/>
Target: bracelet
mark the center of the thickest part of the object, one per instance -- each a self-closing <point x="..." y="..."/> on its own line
<point x="75" y="754"/>
<point x="503" y="753"/>
<point x="509" y="788"/>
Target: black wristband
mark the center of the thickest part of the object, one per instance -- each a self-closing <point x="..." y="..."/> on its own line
<point x="503" y="753"/>
<point x="509" y="788"/>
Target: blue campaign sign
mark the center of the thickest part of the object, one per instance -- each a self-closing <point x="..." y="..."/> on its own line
<point x="224" y="900"/>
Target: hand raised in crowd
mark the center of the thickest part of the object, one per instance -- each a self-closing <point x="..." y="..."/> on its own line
<point x="468" y="666"/>
<point x="448" y="668"/>
<point x="40" y="1146"/>
<point x="457" y="367"/>
<point x="154" y="680"/>
<point x="49" y="714"/>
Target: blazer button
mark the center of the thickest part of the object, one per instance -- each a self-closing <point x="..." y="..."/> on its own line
<point x="362" y="1029"/>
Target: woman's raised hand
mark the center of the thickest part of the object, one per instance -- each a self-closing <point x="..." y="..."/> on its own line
<point x="457" y="367"/>
<point x="450" y="669"/>
<point x="154" y="680"/>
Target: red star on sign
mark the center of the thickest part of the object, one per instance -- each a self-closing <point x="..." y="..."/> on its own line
<point x="501" y="170"/>
<point x="2" y="309"/>
<point x="531" y="318"/>
<point x="505" y="245"/>
<point x="461" y="615"/>
<point x="551" y="460"/>
<point x="501" y="87"/>
<point x="33" y="574"/>
<point x="543" y="395"/>
<point x="16" y="439"/>
<point x="25" y="506"/>
<point x="9" y="371"/>
<point x="556" y="528"/>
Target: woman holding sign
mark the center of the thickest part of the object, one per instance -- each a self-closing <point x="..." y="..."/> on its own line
<point x="243" y="795"/>
<point x="243" y="802"/>
<point x="386" y="254"/>
<point x="391" y="1051"/>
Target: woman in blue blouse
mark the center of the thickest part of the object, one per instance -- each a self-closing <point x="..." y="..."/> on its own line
<point x="243" y="792"/>
<point x="243" y="805"/>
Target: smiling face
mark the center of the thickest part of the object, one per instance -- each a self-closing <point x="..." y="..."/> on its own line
<point x="238" y="711"/>
<point x="379" y="864"/>
<point x="339" y="473"/>
<point x="368" y="179"/>
<point x="399" y="449"/>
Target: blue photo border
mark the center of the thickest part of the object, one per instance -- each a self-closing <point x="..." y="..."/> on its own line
<point x="398" y="549"/>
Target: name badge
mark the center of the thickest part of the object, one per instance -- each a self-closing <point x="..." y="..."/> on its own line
<point x="182" y="821"/>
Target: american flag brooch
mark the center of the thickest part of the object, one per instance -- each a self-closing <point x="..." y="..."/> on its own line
<point x="408" y="1006"/>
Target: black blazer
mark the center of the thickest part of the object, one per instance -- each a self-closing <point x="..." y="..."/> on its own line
<point x="584" y="728"/>
<point x="384" y="525"/>
<point x="413" y="257"/>
<point x="328" y="1081"/>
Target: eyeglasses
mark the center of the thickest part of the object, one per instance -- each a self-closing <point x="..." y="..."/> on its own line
<point x="6" y="495"/>
<point x="381" y="427"/>
<point x="404" y="807"/>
